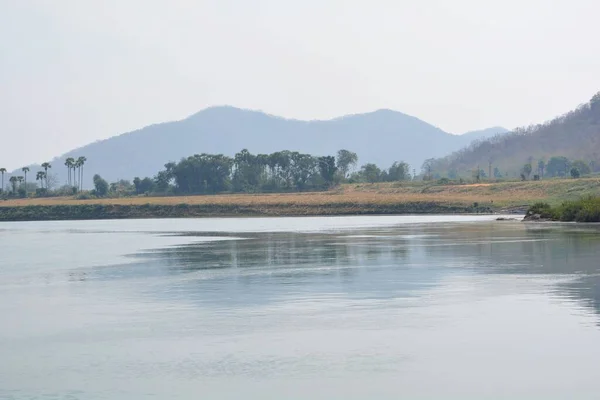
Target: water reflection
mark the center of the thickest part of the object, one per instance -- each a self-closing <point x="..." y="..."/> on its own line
<point x="379" y="263"/>
<point x="436" y="310"/>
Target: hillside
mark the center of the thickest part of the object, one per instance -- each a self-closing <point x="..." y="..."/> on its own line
<point x="381" y="137"/>
<point x="575" y="135"/>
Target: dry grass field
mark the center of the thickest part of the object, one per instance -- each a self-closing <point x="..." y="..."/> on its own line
<point x="503" y="194"/>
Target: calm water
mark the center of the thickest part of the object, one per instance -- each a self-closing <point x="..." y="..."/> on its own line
<point x="299" y="308"/>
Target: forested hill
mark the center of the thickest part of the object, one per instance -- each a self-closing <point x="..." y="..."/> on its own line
<point x="574" y="136"/>
<point x="379" y="137"/>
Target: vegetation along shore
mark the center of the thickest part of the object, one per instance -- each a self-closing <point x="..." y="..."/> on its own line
<point x="410" y="197"/>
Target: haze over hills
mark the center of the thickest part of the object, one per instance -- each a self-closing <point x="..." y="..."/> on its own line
<point x="380" y="137"/>
<point x="574" y="135"/>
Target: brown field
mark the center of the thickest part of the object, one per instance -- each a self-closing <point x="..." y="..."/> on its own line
<point x="502" y="194"/>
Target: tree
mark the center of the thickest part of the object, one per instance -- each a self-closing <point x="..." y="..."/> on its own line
<point x="142" y="186"/>
<point x="2" y="171"/>
<point x="558" y="166"/>
<point x="346" y="160"/>
<point x="80" y="162"/>
<point x="541" y="166"/>
<point x="527" y="170"/>
<point x="100" y="185"/>
<point x="427" y="167"/>
<point x="46" y="166"/>
<point x="13" y="181"/>
<point x="25" y="171"/>
<point x="203" y="173"/>
<point x="249" y="171"/>
<point x="70" y="163"/>
<point x="22" y="192"/>
<point x="595" y="104"/>
<point x="582" y="166"/>
<point x="399" y="171"/>
<point x="327" y="169"/>
<point x="575" y="173"/>
<point x="40" y="176"/>
<point x="302" y="168"/>
<point x="370" y="173"/>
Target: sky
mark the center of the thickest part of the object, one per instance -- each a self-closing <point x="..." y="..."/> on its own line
<point x="76" y="71"/>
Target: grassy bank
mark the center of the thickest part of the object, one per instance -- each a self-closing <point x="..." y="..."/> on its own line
<point x="357" y="199"/>
<point x="116" y="211"/>
<point x="583" y="210"/>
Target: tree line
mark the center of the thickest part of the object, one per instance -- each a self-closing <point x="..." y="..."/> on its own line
<point x="554" y="167"/>
<point x="19" y="187"/>
<point x="282" y="171"/>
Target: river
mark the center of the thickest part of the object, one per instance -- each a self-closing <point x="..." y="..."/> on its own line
<point x="388" y="307"/>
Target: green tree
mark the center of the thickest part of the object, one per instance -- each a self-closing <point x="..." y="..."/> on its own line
<point x="541" y="167"/>
<point x="142" y="186"/>
<point x="575" y="173"/>
<point x="249" y="171"/>
<point x="13" y="181"/>
<point x="80" y="163"/>
<point x="346" y="160"/>
<point x="203" y="173"/>
<point x="2" y="171"/>
<point x="46" y="167"/>
<point x="70" y="163"/>
<point x="100" y="186"/>
<point x="302" y="168"/>
<point x="527" y="170"/>
<point x="558" y="166"/>
<point x="40" y="176"/>
<point x="399" y="171"/>
<point x="25" y="171"/>
<point x="582" y="166"/>
<point x="327" y="169"/>
<point x="370" y="173"/>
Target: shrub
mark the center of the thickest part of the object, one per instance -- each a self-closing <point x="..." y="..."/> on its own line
<point x="543" y="209"/>
<point x="583" y="210"/>
<point x="85" y="196"/>
<point x="575" y="173"/>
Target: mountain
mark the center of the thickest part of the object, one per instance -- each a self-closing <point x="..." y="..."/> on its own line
<point x="574" y="135"/>
<point x="381" y="137"/>
<point x="484" y="133"/>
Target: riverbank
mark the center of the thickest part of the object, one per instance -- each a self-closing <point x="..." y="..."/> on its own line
<point x="586" y="209"/>
<point x="116" y="211"/>
<point x="358" y="199"/>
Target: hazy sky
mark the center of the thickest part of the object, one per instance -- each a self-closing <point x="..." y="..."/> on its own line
<point x="74" y="71"/>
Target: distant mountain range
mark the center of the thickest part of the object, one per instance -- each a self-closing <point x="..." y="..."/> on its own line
<point x="380" y="137"/>
<point x="575" y="135"/>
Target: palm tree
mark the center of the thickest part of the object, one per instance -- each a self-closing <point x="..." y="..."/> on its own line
<point x="2" y="171"/>
<point x="20" y="179"/>
<point x="13" y="182"/>
<point x="25" y="171"/>
<point x="80" y="162"/>
<point x="69" y="164"/>
<point x="46" y="166"/>
<point x="40" y="177"/>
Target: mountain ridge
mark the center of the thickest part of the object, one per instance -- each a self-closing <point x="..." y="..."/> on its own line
<point x="574" y="135"/>
<point x="381" y="136"/>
